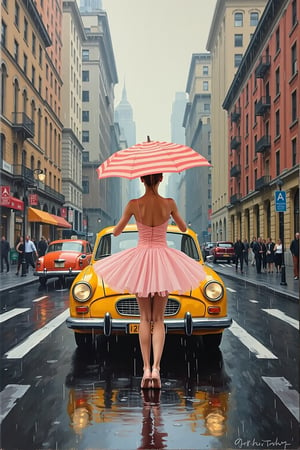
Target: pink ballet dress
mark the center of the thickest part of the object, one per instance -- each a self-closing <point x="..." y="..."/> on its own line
<point x="151" y="267"/>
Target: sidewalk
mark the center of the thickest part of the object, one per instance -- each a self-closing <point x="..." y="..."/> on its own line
<point x="270" y="281"/>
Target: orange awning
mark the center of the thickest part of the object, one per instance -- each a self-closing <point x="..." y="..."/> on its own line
<point x="36" y="215"/>
<point x="61" y="222"/>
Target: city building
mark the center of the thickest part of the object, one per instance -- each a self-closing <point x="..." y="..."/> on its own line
<point x="124" y="117"/>
<point x="31" y="123"/>
<point x="197" y="134"/>
<point x="101" y="199"/>
<point x="263" y="128"/>
<point x="73" y="36"/>
<point x="178" y="108"/>
<point x="231" y="30"/>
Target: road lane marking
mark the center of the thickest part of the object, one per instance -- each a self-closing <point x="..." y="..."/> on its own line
<point x="230" y="290"/>
<point x="253" y="301"/>
<point x="39" y="299"/>
<point x="35" y="338"/>
<point x="10" y="314"/>
<point x="289" y="397"/>
<point x="250" y="342"/>
<point x="282" y="316"/>
<point x="9" y="396"/>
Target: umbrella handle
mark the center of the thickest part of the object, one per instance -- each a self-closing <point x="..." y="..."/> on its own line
<point x="148" y="139"/>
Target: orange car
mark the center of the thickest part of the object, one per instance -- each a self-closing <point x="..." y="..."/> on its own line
<point x="63" y="258"/>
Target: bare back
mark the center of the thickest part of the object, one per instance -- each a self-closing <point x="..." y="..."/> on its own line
<point x="152" y="210"/>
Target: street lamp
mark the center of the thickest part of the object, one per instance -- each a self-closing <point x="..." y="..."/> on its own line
<point x="281" y="235"/>
<point x="41" y="176"/>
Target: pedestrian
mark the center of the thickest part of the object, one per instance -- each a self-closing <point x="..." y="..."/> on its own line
<point x="4" y="250"/>
<point x="278" y="255"/>
<point x="270" y="255"/>
<point x="20" y="250"/>
<point x="239" y="254"/>
<point x="30" y="250"/>
<point x="246" y="251"/>
<point x="151" y="270"/>
<point x="258" y="252"/>
<point x="252" y="252"/>
<point x="294" y="248"/>
<point x="42" y="246"/>
<point x="264" y="255"/>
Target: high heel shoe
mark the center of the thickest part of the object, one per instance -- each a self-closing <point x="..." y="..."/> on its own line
<point x="156" y="382"/>
<point x="146" y="382"/>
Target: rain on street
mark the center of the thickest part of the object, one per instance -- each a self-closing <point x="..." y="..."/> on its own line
<point x="56" y="397"/>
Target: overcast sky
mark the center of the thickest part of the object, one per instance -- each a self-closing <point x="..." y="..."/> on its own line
<point x="153" y="42"/>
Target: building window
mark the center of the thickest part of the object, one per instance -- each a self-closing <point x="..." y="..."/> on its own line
<point x="247" y="184"/>
<point x="16" y="51"/>
<point x="205" y="85"/>
<point x="294" y="59"/>
<point x="247" y="124"/>
<point x="17" y="14"/>
<point x="294" y="152"/>
<point x="85" y="187"/>
<point x="294" y="106"/>
<point x="33" y="44"/>
<point x="207" y="108"/>
<point x="238" y="40"/>
<point x="247" y="155"/>
<point x="33" y="75"/>
<point x="277" y="157"/>
<point x="85" y="136"/>
<point x="25" y="64"/>
<point x="85" y="116"/>
<point x="254" y="19"/>
<point x="25" y="34"/>
<point x="85" y="96"/>
<point x="3" y="33"/>
<point x="205" y="70"/>
<point x="277" y="39"/>
<point x="40" y="85"/>
<point x="85" y="156"/>
<point x="40" y="55"/>
<point x="277" y="81"/>
<point x="277" y="123"/>
<point x="85" y="75"/>
<point x="85" y="55"/>
<point x="237" y="59"/>
<point x="247" y="94"/>
<point x="238" y="19"/>
<point x="294" y="12"/>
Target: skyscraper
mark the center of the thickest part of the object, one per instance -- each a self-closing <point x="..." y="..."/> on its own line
<point x="124" y="116"/>
<point x="90" y="5"/>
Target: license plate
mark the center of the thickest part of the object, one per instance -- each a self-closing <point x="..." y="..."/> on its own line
<point x="133" y="328"/>
<point x="226" y="254"/>
<point x="59" y="264"/>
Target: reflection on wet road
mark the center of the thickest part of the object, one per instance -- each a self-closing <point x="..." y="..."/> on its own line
<point x="105" y="400"/>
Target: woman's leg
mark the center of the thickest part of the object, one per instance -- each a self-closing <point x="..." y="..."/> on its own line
<point x="145" y="336"/>
<point x="158" y="334"/>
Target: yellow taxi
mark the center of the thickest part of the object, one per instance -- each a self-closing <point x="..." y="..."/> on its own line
<point x="96" y="309"/>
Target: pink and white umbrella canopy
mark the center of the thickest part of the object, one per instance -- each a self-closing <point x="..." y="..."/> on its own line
<point x="151" y="157"/>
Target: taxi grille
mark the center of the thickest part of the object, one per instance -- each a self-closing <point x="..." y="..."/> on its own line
<point x="129" y="307"/>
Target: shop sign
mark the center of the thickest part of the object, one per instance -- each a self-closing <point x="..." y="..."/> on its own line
<point x="63" y="212"/>
<point x="5" y="195"/>
<point x="33" y="200"/>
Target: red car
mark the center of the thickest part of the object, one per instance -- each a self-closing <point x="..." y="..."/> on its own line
<point x="223" y="251"/>
<point x="63" y="258"/>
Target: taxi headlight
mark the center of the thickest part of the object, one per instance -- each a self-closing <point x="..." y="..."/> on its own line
<point x="213" y="291"/>
<point x="82" y="292"/>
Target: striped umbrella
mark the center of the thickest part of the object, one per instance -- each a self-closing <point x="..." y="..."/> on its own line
<point x="150" y="157"/>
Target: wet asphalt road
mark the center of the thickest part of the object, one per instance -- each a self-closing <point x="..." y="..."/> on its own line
<point x="244" y="396"/>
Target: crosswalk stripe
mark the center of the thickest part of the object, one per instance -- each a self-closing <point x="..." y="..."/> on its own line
<point x="251" y="343"/>
<point x="10" y="314"/>
<point x="230" y="290"/>
<point x="282" y="316"/>
<point x="8" y="397"/>
<point x="39" y="299"/>
<point x="289" y="397"/>
<point x="35" y="338"/>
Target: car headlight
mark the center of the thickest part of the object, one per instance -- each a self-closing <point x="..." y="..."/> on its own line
<point x="82" y="292"/>
<point x="213" y="291"/>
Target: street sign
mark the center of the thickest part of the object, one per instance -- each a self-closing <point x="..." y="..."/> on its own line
<point x="280" y="201"/>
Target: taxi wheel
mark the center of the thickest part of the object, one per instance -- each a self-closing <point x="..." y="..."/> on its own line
<point x="212" y="341"/>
